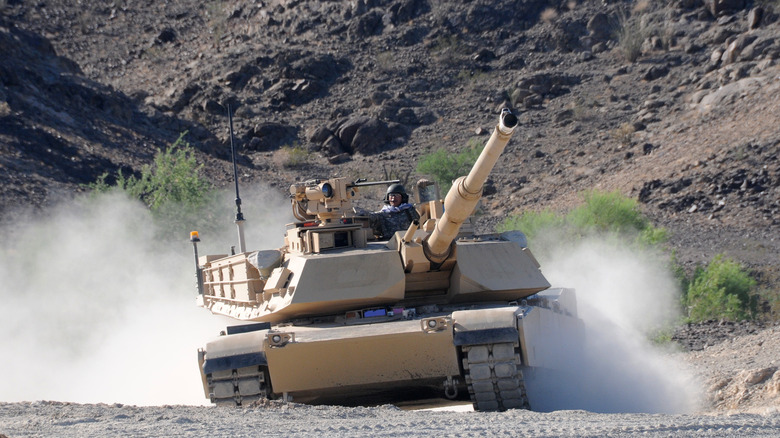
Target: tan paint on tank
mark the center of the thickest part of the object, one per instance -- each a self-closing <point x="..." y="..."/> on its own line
<point x="495" y="271"/>
<point x="405" y="354"/>
<point x="346" y="275"/>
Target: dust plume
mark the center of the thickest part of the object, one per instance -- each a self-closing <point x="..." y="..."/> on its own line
<point x="623" y="294"/>
<point x="98" y="303"/>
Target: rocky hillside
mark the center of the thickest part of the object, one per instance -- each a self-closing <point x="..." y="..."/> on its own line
<point x="686" y="122"/>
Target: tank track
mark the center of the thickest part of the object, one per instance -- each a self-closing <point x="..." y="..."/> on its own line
<point x="238" y="387"/>
<point x="493" y="377"/>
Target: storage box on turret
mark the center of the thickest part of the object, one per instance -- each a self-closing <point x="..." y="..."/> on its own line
<point x="231" y="278"/>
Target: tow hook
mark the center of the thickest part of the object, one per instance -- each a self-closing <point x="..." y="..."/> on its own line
<point x="451" y="388"/>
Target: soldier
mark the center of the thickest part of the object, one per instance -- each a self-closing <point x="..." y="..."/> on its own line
<point x="396" y="215"/>
<point x="396" y="199"/>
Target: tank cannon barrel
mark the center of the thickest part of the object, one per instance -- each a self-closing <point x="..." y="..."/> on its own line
<point x="466" y="191"/>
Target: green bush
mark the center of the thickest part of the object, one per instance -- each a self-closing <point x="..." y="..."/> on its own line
<point x="171" y="186"/>
<point x="652" y="235"/>
<point x="296" y="156"/>
<point x="722" y="290"/>
<point x="607" y="212"/>
<point x="444" y="167"/>
<point x="174" y="178"/>
<point x="531" y="223"/>
<point x="610" y="213"/>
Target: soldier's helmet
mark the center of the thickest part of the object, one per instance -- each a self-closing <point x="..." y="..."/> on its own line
<point x="398" y="189"/>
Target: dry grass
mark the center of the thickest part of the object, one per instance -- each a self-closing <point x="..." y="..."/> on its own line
<point x="623" y="133"/>
<point x="630" y="35"/>
<point x="548" y="15"/>
<point x="292" y="157"/>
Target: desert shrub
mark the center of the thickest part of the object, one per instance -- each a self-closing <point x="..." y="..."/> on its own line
<point x="172" y="187"/>
<point x="623" y="133"/>
<point x="395" y="171"/>
<point x="217" y="19"/>
<point x="385" y="61"/>
<point x="472" y="75"/>
<point x="652" y="235"/>
<point x="722" y="290"/>
<point x="444" y="167"/>
<point x="607" y="212"/>
<point x="630" y="36"/>
<point x="772" y="303"/>
<point x="449" y="49"/>
<point x="173" y="178"/>
<point x="610" y="213"/>
<point x="662" y="335"/>
<point x="584" y="109"/>
<point x="446" y="43"/>
<point x="296" y="156"/>
<point x="548" y="15"/>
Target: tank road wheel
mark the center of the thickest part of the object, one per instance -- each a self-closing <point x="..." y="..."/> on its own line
<point x="493" y="376"/>
<point x="239" y="387"/>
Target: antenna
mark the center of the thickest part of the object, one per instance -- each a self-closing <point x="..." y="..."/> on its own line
<point x="239" y="216"/>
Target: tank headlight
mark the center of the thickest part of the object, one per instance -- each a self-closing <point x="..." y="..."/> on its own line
<point x="327" y="190"/>
<point x="276" y="339"/>
<point x="432" y="323"/>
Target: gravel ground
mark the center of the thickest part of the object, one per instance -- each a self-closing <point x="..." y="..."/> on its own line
<point x="77" y="420"/>
<point x="741" y="373"/>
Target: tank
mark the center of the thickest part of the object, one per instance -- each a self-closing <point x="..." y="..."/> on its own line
<point x="351" y="311"/>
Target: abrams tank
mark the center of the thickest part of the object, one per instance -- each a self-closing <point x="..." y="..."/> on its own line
<point x="350" y="309"/>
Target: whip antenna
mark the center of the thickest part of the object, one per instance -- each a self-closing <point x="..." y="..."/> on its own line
<point x="239" y="216"/>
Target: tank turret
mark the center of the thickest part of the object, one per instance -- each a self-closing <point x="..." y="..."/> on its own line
<point x="343" y="310"/>
<point x="439" y="268"/>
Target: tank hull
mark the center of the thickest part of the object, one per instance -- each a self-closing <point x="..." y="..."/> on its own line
<point x="469" y="353"/>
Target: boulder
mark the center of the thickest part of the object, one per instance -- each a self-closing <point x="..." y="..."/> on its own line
<point x="319" y="135"/>
<point x="718" y="7"/>
<point x="735" y="48"/>
<point x="324" y="67"/>
<point x="371" y="137"/>
<point x="754" y="17"/>
<point x="346" y="131"/>
<point x="599" y="27"/>
<point x="655" y="72"/>
<point x="404" y="11"/>
<point x="332" y="147"/>
<point x="166" y="35"/>
<point x="271" y="136"/>
<point x="366" y="25"/>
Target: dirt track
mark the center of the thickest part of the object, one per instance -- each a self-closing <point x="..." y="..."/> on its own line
<point x="74" y="420"/>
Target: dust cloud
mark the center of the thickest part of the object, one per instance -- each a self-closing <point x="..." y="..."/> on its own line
<point x="98" y="301"/>
<point x="98" y="305"/>
<point x="623" y="295"/>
